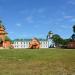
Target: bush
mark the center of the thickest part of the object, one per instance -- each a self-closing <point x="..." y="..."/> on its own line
<point x="11" y="47"/>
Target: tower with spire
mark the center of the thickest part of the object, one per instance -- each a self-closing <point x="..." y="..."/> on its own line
<point x="49" y="38"/>
<point x="3" y="33"/>
<point x="4" y="42"/>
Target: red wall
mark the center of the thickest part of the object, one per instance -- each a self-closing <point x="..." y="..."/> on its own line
<point x="7" y="44"/>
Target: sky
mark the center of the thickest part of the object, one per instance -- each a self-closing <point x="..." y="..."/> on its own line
<point x="34" y="18"/>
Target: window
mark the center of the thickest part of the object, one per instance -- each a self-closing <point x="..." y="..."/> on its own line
<point x="16" y="42"/>
<point x="21" y="42"/>
<point x="46" y="42"/>
<point x="24" y="42"/>
<point x="24" y="46"/>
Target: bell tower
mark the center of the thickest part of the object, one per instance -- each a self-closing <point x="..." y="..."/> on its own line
<point x="49" y="38"/>
<point x="3" y="33"/>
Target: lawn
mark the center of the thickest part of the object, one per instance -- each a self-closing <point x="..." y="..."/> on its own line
<point x="37" y="62"/>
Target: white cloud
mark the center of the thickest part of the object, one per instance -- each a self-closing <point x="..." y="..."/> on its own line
<point x="72" y="2"/>
<point x="18" y="25"/>
<point x="23" y="11"/>
<point x="41" y="10"/>
<point x="68" y="17"/>
<point x="11" y="32"/>
<point x="63" y="13"/>
<point x="36" y="26"/>
<point x="29" y="19"/>
<point x="64" y="26"/>
<point x="73" y="20"/>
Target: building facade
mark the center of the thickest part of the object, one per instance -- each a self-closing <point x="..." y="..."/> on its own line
<point x="34" y="42"/>
<point x="25" y="43"/>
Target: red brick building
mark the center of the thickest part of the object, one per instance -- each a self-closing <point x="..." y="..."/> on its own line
<point x="71" y="45"/>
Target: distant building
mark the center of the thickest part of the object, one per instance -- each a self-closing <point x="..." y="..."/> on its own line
<point x="35" y="43"/>
<point x="28" y="43"/>
<point x="50" y="40"/>
<point x="21" y="43"/>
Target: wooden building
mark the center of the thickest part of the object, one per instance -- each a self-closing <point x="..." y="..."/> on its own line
<point x="4" y="43"/>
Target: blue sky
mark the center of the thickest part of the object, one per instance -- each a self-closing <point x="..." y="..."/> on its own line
<point x="34" y="18"/>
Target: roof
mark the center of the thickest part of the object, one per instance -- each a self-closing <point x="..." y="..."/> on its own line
<point x="3" y="32"/>
<point x="2" y="26"/>
<point x="42" y="39"/>
<point x="28" y="40"/>
<point x="22" y="40"/>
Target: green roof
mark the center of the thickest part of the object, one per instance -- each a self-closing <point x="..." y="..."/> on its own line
<point x="28" y="40"/>
<point x="22" y="40"/>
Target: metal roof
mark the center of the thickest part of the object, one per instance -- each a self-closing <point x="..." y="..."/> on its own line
<point x="28" y="40"/>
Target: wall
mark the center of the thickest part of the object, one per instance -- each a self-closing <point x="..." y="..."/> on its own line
<point x="25" y="44"/>
<point x="6" y="44"/>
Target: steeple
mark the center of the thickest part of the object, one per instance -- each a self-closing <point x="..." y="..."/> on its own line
<point x="4" y="42"/>
<point x="49" y="35"/>
<point x="1" y="25"/>
<point x="3" y="33"/>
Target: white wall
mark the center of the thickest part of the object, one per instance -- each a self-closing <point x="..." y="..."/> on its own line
<point x="44" y="44"/>
<point x="25" y="44"/>
<point x="19" y="44"/>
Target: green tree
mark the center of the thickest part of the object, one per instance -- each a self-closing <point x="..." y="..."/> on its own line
<point x="57" y="39"/>
<point x="7" y="38"/>
<point x="60" y="41"/>
<point x="65" y="41"/>
<point x="74" y="28"/>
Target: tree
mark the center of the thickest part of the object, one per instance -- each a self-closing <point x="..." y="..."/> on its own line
<point x="60" y="41"/>
<point x="57" y="39"/>
<point x="7" y="38"/>
<point x="66" y="41"/>
<point x="74" y="28"/>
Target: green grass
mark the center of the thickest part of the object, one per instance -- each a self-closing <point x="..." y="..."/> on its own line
<point x="37" y="62"/>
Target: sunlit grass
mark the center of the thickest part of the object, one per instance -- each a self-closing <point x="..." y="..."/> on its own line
<point x="37" y="62"/>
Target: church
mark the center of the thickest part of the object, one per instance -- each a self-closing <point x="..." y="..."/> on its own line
<point x="4" y="39"/>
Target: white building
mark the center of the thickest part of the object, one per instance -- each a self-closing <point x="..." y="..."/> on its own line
<point x="21" y="43"/>
<point x="24" y="43"/>
<point x="44" y="43"/>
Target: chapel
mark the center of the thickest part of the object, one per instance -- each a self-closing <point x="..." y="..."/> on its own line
<point x="4" y="39"/>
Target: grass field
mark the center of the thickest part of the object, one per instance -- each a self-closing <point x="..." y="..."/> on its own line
<point x="37" y="62"/>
